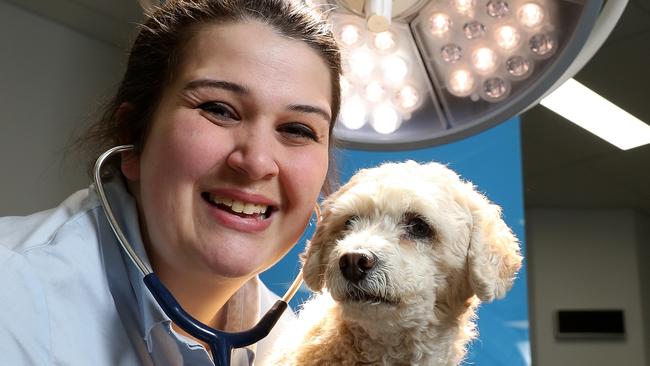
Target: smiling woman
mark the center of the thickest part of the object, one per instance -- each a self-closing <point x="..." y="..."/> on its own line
<point x="230" y="105"/>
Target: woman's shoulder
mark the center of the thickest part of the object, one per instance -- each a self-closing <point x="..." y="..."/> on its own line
<point x="22" y="234"/>
<point x="56" y="292"/>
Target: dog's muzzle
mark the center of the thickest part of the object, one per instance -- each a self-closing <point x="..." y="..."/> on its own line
<point x="355" y="265"/>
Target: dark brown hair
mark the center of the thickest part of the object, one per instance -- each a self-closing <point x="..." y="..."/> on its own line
<point x="158" y="51"/>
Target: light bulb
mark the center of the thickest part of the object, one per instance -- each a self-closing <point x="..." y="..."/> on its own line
<point x="507" y="37"/>
<point x="464" y="6"/>
<point x="350" y="35"/>
<point x="374" y="92"/>
<point x="353" y="113"/>
<point x="495" y="89"/>
<point x="497" y="8"/>
<point x="518" y="66"/>
<point x="361" y="63"/>
<point x="474" y="30"/>
<point x="439" y="24"/>
<point x="385" y="41"/>
<point x="461" y="83"/>
<point x="407" y="97"/>
<point x="451" y="53"/>
<point x="385" y="119"/>
<point x="484" y="59"/>
<point x="542" y="44"/>
<point x="530" y="15"/>
<point x="394" y="69"/>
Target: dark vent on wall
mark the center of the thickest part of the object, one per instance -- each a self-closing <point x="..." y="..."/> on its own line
<point x="577" y="324"/>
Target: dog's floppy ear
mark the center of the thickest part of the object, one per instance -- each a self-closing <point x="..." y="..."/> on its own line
<point x="314" y="257"/>
<point x="493" y="256"/>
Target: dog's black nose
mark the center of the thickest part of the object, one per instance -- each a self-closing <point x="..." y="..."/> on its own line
<point x="355" y="265"/>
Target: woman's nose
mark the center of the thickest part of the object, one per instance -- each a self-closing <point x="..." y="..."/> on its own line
<point x="253" y="155"/>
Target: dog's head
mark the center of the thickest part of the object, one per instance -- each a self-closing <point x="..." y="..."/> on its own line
<point x="405" y="233"/>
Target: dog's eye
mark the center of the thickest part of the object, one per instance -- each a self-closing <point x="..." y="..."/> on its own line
<point x="417" y="228"/>
<point x="350" y="221"/>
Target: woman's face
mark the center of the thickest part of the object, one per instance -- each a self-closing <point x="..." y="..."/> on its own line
<point x="237" y="152"/>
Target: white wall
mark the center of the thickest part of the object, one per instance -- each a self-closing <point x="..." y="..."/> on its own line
<point x="643" y="232"/>
<point x="50" y="80"/>
<point x="586" y="259"/>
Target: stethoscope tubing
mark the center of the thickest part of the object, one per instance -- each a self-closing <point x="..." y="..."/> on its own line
<point x="221" y="343"/>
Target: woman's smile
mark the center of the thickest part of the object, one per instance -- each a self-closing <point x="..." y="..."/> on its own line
<point x="239" y="210"/>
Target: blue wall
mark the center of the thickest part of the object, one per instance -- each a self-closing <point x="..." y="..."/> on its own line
<point x="492" y="161"/>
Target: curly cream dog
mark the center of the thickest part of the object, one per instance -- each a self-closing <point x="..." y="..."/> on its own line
<point x="402" y="256"/>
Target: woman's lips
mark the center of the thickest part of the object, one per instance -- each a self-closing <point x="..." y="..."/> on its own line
<point x="238" y="214"/>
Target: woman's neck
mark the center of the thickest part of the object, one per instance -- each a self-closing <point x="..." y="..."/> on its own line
<point x="202" y="298"/>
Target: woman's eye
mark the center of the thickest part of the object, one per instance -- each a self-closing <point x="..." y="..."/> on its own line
<point x="219" y="110"/>
<point x="298" y="131"/>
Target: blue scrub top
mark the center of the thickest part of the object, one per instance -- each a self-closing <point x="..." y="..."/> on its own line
<point x="69" y="296"/>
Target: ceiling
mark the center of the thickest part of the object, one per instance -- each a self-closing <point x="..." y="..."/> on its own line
<point x="564" y="165"/>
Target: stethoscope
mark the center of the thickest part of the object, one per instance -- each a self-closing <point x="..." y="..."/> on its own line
<point x="221" y="343"/>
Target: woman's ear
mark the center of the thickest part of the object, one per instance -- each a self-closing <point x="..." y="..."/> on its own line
<point x="130" y="164"/>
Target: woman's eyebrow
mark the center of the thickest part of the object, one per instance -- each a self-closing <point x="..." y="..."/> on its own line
<point x="218" y="84"/>
<point x="310" y="109"/>
<point x="242" y="90"/>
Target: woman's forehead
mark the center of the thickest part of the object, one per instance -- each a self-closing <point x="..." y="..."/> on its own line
<point x="255" y="55"/>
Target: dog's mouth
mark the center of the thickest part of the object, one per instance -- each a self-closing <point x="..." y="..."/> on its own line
<point x="362" y="297"/>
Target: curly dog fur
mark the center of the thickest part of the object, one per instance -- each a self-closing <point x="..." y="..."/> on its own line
<point x="402" y="258"/>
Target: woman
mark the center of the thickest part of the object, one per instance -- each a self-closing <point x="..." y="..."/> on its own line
<point x="230" y="105"/>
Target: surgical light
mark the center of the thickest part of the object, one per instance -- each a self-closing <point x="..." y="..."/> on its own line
<point x="530" y="15"/>
<point x="440" y="24"/>
<point x="407" y="97"/>
<point x="464" y="6"/>
<point x="424" y="72"/>
<point x="507" y="37"/>
<point x="484" y="60"/>
<point x="385" y="41"/>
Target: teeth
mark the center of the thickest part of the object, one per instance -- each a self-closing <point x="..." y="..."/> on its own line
<point x="239" y="206"/>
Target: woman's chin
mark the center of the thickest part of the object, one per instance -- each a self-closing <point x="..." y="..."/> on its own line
<point x="234" y="266"/>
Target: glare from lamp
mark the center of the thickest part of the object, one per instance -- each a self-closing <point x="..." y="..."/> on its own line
<point x="374" y="92"/>
<point x="507" y="37"/>
<point x="350" y="35"/>
<point x="439" y="24"/>
<point x="362" y="63"/>
<point x="461" y="83"/>
<point x="530" y="15"/>
<point x="407" y="97"/>
<point x="385" y="119"/>
<point x="385" y="42"/>
<point x="346" y="87"/>
<point x="587" y="109"/>
<point x="484" y="60"/>
<point x="353" y="113"/>
<point x="464" y="6"/>
<point x="394" y="69"/>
